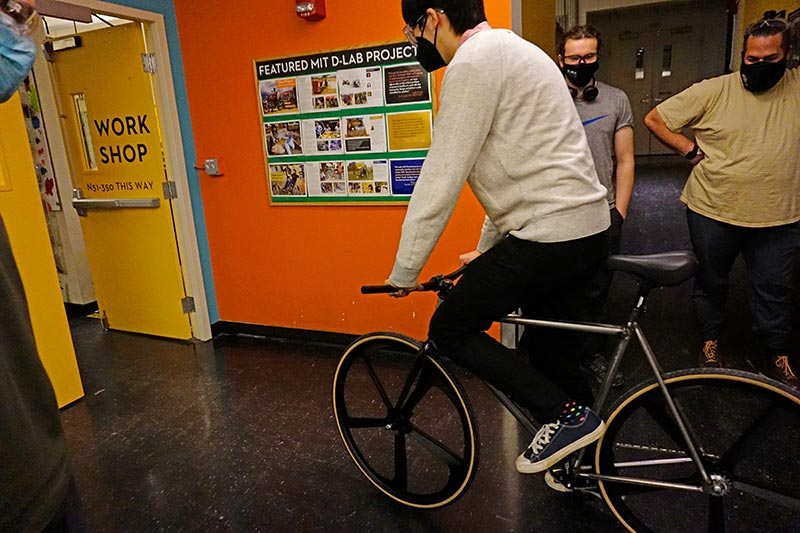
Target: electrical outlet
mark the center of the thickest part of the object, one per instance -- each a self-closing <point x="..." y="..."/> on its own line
<point x="212" y="167"/>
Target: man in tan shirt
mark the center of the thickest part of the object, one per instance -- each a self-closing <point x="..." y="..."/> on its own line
<point x="743" y="195"/>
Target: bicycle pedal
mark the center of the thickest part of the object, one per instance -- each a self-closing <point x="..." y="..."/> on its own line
<point x="562" y="480"/>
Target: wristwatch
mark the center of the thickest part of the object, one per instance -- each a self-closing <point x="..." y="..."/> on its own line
<point x="691" y="154"/>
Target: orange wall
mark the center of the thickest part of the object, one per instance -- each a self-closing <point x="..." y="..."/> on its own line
<point x="295" y="266"/>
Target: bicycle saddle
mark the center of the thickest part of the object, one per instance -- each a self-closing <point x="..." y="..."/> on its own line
<point x="664" y="270"/>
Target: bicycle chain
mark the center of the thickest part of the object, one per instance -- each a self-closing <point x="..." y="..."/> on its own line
<point x="656" y="449"/>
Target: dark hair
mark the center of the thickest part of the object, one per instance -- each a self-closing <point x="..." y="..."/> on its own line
<point x="578" y="32"/>
<point x="463" y="14"/>
<point x="765" y="28"/>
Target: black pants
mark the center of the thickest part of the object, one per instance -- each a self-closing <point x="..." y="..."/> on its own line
<point x="769" y="254"/>
<point x="599" y="288"/>
<point x="518" y="274"/>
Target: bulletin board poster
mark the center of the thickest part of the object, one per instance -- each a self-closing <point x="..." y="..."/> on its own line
<point x="345" y="127"/>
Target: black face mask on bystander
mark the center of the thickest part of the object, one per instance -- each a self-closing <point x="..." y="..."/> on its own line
<point x="762" y="76"/>
<point x="581" y="74"/>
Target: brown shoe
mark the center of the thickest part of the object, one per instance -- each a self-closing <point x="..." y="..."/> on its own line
<point x="710" y="358"/>
<point x="779" y="369"/>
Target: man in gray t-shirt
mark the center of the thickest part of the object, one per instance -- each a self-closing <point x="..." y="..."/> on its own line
<point x="605" y="112"/>
<point x="608" y="122"/>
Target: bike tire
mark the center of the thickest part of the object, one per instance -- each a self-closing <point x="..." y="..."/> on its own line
<point x="747" y="428"/>
<point x="423" y="453"/>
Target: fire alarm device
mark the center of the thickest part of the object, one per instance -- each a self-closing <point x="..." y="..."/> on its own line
<point x="310" y="9"/>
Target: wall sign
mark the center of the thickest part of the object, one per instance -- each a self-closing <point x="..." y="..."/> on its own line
<point x="347" y="126"/>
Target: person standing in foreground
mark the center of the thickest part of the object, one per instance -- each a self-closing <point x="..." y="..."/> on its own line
<point x="606" y="115"/>
<point x="506" y="125"/>
<point x="743" y="195"/>
<point x="37" y="491"/>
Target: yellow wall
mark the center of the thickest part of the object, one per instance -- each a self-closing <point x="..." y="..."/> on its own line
<point x="539" y="24"/>
<point x="24" y="219"/>
<point x="752" y="10"/>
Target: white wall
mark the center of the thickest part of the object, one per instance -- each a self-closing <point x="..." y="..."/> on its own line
<point x="76" y="281"/>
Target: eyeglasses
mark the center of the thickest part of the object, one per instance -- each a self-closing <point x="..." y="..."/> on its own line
<point x="408" y="29"/>
<point x="578" y="58"/>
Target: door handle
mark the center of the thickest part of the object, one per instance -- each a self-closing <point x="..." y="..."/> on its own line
<point x="81" y="204"/>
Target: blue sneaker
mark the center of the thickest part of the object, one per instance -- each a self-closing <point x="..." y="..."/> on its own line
<point x="553" y="442"/>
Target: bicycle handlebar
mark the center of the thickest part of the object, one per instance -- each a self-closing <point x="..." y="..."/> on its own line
<point x="436" y="283"/>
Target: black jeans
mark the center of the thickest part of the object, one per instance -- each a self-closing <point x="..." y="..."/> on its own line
<point x="541" y="375"/>
<point x="599" y="288"/>
<point x="769" y="254"/>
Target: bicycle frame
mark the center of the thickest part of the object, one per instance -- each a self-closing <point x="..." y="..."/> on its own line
<point x="625" y="333"/>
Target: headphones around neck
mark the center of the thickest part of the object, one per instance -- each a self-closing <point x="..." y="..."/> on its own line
<point x="590" y="92"/>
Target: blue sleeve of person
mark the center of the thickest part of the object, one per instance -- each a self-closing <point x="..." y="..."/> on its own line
<point x="17" y="53"/>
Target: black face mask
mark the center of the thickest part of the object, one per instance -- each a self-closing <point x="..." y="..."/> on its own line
<point x="581" y="74"/>
<point x="427" y="54"/>
<point x="762" y="76"/>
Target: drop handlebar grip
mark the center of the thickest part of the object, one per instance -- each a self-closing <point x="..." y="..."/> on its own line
<point x="377" y="289"/>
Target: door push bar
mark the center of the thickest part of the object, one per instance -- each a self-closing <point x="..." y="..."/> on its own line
<point x="82" y="204"/>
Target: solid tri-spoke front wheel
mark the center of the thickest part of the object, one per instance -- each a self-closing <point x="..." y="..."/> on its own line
<point x="405" y="420"/>
<point x="747" y="430"/>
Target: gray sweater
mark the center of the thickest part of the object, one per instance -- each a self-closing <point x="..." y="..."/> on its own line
<point x="508" y="127"/>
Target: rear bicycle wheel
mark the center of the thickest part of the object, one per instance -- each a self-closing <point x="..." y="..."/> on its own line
<point x="421" y="451"/>
<point x="747" y="428"/>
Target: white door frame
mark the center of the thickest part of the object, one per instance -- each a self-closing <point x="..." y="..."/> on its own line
<point x="156" y="41"/>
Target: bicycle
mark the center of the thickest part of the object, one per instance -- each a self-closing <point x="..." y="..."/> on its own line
<point x="687" y="448"/>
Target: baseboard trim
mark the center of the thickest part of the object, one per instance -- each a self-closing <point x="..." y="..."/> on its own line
<point x="280" y="333"/>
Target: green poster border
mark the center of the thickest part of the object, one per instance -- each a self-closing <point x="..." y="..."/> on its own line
<point x="384" y="110"/>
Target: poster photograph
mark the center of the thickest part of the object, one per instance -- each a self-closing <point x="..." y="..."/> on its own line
<point x="367" y="178"/>
<point x="361" y="87"/>
<point x="323" y="136"/>
<point x="283" y="138"/>
<point x="287" y="180"/>
<point x="345" y="127"/>
<point x="324" y="93"/>
<point x="365" y="134"/>
<point x="278" y="96"/>
<point x="327" y="179"/>
<point x="406" y="84"/>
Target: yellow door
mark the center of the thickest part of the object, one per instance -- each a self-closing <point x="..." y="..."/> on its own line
<point x="111" y="129"/>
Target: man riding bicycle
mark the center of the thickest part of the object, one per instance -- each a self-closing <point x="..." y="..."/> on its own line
<point x="508" y="127"/>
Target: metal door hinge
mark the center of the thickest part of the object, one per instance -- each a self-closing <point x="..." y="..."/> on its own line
<point x="149" y="63"/>
<point x="187" y="304"/>
<point x="170" y="190"/>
